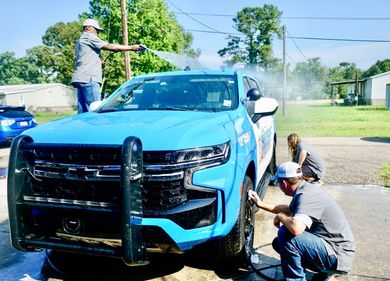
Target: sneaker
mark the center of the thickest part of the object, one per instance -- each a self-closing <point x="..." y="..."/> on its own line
<point x="333" y="277"/>
<point x="318" y="183"/>
<point x="322" y="276"/>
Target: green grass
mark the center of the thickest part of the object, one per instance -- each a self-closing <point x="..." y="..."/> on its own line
<point x="312" y="120"/>
<point x="43" y="117"/>
<point x="384" y="173"/>
<point x="319" y="120"/>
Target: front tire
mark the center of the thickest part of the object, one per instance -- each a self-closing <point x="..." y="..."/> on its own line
<point x="237" y="246"/>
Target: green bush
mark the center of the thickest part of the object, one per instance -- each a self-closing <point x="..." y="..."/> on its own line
<point x="384" y="173"/>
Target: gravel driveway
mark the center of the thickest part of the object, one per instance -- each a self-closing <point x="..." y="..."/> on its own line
<point x="348" y="160"/>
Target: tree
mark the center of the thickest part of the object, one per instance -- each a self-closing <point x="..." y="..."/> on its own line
<point x="57" y="55"/>
<point x="309" y="79"/>
<point x="378" y="68"/>
<point x="149" y="23"/>
<point x="258" y="26"/>
<point x="8" y="67"/>
<point x="34" y="67"/>
<point x="18" y="70"/>
<point x="349" y="70"/>
<point x="345" y="71"/>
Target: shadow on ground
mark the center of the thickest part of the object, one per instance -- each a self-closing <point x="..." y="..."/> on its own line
<point x="71" y="267"/>
<point x="50" y="264"/>
<point x="376" y="139"/>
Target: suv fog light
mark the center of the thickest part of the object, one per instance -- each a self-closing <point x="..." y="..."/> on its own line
<point x="71" y="225"/>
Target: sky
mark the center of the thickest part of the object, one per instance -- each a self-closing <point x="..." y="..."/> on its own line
<point x="23" y="22"/>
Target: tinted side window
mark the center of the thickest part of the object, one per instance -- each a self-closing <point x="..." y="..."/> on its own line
<point x="253" y="83"/>
<point x="247" y="85"/>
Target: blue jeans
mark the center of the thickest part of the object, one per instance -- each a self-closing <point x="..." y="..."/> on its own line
<point x="300" y="252"/>
<point x="86" y="94"/>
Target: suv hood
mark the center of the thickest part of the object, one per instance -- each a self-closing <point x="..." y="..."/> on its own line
<point x="158" y="130"/>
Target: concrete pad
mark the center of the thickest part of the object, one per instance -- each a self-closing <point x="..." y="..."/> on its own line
<point x="366" y="207"/>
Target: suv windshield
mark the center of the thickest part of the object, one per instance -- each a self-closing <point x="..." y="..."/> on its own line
<point x="181" y="92"/>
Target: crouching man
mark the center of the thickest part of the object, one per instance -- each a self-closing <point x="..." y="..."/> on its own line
<point x="313" y="231"/>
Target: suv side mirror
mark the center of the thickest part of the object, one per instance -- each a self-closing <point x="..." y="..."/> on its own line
<point x="264" y="107"/>
<point x="94" y="105"/>
<point x="254" y="94"/>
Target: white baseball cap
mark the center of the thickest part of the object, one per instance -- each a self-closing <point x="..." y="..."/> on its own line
<point x="288" y="170"/>
<point x="94" y="23"/>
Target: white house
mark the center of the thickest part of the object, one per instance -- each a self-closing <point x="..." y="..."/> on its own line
<point x="376" y="89"/>
<point x="39" y="97"/>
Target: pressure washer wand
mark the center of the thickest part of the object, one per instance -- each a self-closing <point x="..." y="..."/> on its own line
<point x="142" y="49"/>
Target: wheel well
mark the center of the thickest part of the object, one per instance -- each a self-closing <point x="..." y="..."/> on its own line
<point x="275" y="139"/>
<point x="250" y="171"/>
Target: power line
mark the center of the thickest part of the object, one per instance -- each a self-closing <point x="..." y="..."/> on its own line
<point x="296" y="45"/>
<point x="341" y="39"/>
<point x="194" y="19"/>
<point x="300" y="37"/>
<point x="206" y="14"/>
<point x="298" y="17"/>
<point x="214" y="32"/>
<point x="291" y="59"/>
<point x="334" y="18"/>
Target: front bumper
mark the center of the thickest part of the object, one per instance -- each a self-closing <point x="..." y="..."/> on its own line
<point x="58" y="210"/>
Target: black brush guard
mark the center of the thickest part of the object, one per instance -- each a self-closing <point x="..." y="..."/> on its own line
<point x="133" y="250"/>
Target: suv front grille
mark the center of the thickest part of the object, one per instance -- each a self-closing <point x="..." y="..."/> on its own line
<point x="87" y="174"/>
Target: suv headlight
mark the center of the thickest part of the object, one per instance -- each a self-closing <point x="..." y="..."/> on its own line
<point x="216" y="154"/>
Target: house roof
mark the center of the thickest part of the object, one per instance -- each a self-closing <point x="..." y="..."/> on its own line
<point x="25" y="88"/>
<point x="381" y="74"/>
<point x="361" y="80"/>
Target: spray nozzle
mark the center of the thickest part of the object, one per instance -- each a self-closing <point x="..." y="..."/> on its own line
<point x="142" y="49"/>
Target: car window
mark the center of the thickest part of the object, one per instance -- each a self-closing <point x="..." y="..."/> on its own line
<point x="14" y="113"/>
<point x="253" y="83"/>
<point x="247" y="85"/>
<point x="180" y="92"/>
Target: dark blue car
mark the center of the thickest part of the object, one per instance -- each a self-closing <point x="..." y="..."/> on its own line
<point x="13" y="121"/>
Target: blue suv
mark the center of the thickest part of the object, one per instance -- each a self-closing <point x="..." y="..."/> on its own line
<point x="164" y="164"/>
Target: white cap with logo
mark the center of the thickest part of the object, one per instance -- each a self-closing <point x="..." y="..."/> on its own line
<point x="288" y="170"/>
<point x="94" y="23"/>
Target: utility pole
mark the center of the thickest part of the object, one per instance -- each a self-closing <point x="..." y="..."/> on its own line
<point x="125" y="38"/>
<point x="356" y="89"/>
<point x="284" y="70"/>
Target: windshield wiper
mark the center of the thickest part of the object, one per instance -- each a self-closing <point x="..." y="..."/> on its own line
<point x="179" y="108"/>
<point x="171" y="108"/>
<point x="109" y="109"/>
